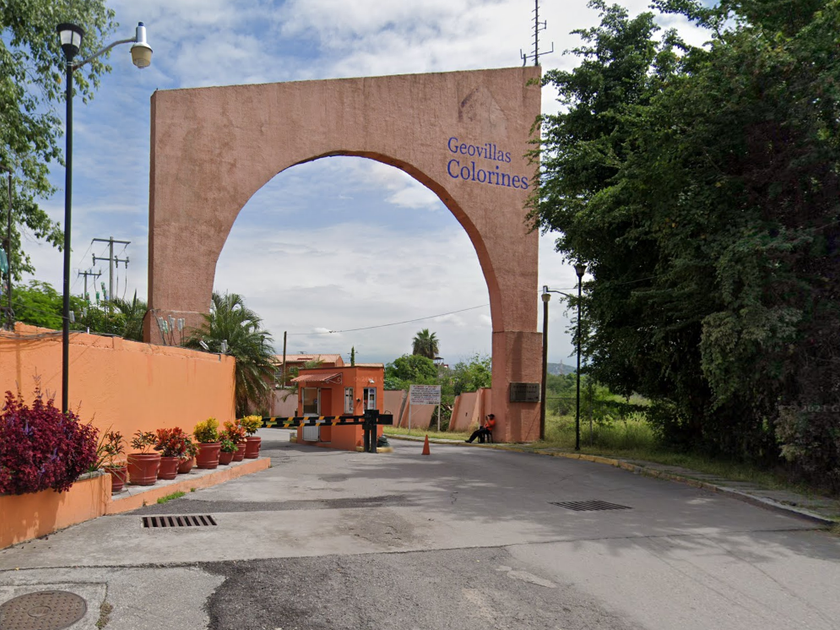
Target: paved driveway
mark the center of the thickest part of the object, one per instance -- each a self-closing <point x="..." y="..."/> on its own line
<point x="464" y="538"/>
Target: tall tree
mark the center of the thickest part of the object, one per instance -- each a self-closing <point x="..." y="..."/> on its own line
<point x="425" y="344"/>
<point x="230" y="321"/>
<point x="31" y="91"/>
<point x="700" y="186"/>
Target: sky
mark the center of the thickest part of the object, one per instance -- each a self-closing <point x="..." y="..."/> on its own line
<point x="340" y="244"/>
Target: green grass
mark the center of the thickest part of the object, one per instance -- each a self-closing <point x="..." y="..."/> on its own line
<point x="634" y="439"/>
<point x="170" y="497"/>
<point x="441" y="435"/>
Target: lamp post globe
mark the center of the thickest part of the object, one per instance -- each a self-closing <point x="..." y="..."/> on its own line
<point x="141" y="52"/>
<point x="71" y="36"/>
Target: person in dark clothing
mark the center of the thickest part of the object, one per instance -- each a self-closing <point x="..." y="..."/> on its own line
<point x="484" y="431"/>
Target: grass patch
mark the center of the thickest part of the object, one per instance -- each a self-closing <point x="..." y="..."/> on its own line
<point x="442" y="435"/>
<point x="105" y="611"/>
<point x="634" y="439"/>
<point x="170" y="497"/>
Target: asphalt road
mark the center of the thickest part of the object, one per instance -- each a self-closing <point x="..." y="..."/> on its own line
<point x="464" y="538"/>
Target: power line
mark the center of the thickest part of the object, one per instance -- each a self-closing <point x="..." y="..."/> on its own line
<point x="408" y="321"/>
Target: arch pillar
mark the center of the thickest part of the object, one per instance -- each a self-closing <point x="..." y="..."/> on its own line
<point x="464" y="135"/>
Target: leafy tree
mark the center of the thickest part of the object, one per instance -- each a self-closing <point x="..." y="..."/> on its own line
<point x="410" y="369"/>
<point x="231" y="321"/>
<point x="37" y="304"/>
<point x="31" y="90"/>
<point x="425" y="344"/>
<point x="472" y="375"/>
<point x="700" y="187"/>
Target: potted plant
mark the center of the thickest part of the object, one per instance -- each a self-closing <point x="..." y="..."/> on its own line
<point x="143" y="464"/>
<point x="235" y="432"/>
<point x="188" y="456"/>
<point x="227" y="451"/>
<point x="206" y="433"/>
<point x="109" y="453"/>
<point x="171" y="443"/>
<point x="252" y="424"/>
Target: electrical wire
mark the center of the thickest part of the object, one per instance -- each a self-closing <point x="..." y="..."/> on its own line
<point x="408" y="321"/>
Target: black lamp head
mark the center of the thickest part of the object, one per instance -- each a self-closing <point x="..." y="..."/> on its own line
<point x="71" y="39"/>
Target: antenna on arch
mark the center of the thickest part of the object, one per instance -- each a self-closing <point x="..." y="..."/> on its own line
<point x="538" y="26"/>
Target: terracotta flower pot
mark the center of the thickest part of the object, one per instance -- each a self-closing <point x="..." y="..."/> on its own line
<point x="226" y="458"/>
<point x="168" y="467"/>
<point x="208" y="454"/>
<point x="185" y="465"/>
<point x="119" y="474"/>
<point x="143" y="468"/>
<point x="252" y="447"/>
<point x="239" y="455"/>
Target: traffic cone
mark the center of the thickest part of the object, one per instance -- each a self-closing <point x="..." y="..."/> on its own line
<point x="426" y="446"/>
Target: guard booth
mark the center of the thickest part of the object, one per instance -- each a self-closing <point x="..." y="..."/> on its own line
<point x="325" y="392"/>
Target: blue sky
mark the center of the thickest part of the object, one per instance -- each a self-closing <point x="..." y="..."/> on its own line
<point x="336" y="244"/>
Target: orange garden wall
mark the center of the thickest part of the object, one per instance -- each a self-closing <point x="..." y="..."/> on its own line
<point x="469" y="410"/>
<point x="118" y="384"/>
<point x="28" y="516"/>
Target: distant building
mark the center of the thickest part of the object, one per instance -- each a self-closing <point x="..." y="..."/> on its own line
<point x="295" y="362"/>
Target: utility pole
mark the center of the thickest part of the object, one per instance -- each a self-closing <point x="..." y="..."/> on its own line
<point x="283" y="373"/>
<point x="112" y="260"/>
<point x="95" y="275"/>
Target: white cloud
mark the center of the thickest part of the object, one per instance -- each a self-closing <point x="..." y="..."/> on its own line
<point x="339" y="243"/>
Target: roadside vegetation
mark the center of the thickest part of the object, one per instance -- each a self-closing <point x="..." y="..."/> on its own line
<point x="699" y="186"/>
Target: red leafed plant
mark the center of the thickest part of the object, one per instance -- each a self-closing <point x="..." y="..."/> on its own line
<point x="172" y="442"/>
<point x="42" y="448"/>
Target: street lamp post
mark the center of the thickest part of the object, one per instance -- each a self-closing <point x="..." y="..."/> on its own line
<point x="580" y="269"/>
<point x="546" y="296"/>
<point x="71" y="36"/>
<point x="9" y="319"/>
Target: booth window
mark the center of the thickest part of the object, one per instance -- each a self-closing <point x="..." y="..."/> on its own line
<point x="348" y="400"/>
<point x="310" y="401"/>
<point x="370" y="398"/>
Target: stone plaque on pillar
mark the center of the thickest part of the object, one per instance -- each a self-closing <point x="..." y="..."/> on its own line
<point x="524" y="392"/>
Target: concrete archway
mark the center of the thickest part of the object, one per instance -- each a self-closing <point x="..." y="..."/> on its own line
<point x="462" y="134"/>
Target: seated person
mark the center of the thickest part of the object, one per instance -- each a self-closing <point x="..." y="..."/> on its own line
<point x="484" y="431"/>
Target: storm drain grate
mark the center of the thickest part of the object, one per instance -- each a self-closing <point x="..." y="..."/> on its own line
<point x="590" y="506"/>
<point x="45" y="610"/>
<point x="188" y="520"/>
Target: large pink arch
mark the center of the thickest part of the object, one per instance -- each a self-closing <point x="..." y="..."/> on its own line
<point x="462" y="134"/>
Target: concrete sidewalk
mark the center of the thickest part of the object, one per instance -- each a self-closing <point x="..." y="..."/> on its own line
<point x="820" y="509"/>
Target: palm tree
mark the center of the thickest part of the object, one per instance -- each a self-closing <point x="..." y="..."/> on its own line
<point x="134" y="312"/>
<point x="232" y="322"/>
<point x="425" y="344"/>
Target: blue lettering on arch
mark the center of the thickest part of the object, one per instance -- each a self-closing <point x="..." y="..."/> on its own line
<point x="449" y="168"/>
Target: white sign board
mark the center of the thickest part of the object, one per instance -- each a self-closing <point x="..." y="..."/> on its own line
<point x="425" y="394"/>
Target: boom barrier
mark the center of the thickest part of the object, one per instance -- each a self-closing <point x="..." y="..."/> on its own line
<point x="369" y="421"/>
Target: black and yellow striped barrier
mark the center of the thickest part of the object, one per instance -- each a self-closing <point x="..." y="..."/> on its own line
<point x="321" y="421"/>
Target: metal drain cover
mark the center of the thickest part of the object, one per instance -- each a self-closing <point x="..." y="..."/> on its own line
<point x="187" y="520"/>
<point x="590" y="506"/>
<point x="46" y="610"/>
